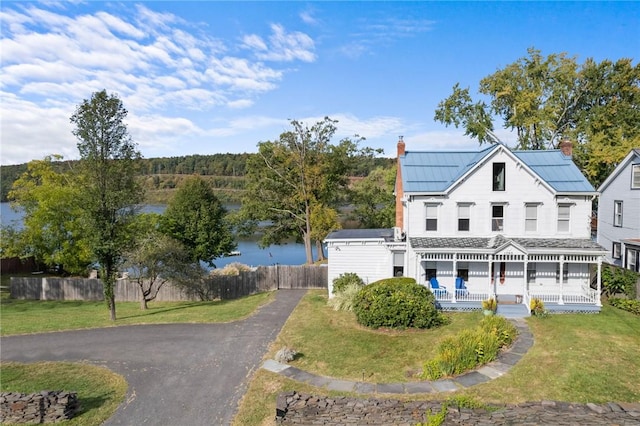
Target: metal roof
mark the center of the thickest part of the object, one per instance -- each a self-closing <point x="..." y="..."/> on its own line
<point x="436" y="171"/>
<point x="361" y="234"/>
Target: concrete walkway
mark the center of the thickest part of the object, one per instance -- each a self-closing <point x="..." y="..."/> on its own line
<point x="178" y="374"/>
<point x="492" y="370"/>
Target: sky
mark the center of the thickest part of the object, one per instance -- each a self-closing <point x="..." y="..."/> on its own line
<point x="206" y="77"/>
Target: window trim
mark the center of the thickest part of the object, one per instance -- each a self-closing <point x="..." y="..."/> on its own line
<point x="617" y="213"/>
<point x="496" y="185"/>
<point x="467" y="218"/>
<point x="428" y="218"/>
<point x="636" y="259"/>
<point x="493" y="218"/>
<point x="528" y="219"/>
<point x="616" y="250"/>
<point x="635" y="176"/>
<point x="567" y="219"/>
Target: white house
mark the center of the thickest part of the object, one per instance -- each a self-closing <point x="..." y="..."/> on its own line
<point x="511" y="224"/>
<point x="619" y="213"/>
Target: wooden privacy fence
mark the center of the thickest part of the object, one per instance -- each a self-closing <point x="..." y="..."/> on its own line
<point x="225" y="287"/>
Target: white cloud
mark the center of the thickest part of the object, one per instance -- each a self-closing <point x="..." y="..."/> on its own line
<point x="161" y="66"/>
<point x="282" y="46"/>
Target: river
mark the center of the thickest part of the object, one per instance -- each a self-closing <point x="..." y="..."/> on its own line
<point x="250" y="253"/>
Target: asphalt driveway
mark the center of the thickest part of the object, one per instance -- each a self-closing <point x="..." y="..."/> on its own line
<point x="178" y="374"/>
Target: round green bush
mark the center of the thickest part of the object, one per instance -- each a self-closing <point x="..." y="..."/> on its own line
<point x="340" y="283"/>
<point x="396" y="303"/>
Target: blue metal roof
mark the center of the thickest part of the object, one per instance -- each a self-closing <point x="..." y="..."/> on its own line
<point x="436" y="171"/>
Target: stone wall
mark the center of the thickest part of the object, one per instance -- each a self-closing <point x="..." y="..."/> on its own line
<point x="302" y="409"/>
<point x="43" y="407"/>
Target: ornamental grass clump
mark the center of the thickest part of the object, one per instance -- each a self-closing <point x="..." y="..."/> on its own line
<point x="396" y="303"/>
<point x="345" y="299"/>
<point x="470" y="348"/>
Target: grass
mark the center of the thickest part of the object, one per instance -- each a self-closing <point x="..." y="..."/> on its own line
<point x="37" y="316"/>
<point x="575" y="358"/>
<point x="331" y="343"/>
<point x="99" y="390"/>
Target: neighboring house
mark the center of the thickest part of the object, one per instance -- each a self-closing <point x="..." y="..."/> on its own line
<point x="511" y="224"/>
<point x="619" y="213"/>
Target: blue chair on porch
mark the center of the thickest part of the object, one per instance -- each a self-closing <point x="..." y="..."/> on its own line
<point x="436" y="288"/>
<point x="461" y="289"/>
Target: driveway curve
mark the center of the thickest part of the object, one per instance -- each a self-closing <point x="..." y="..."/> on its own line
<point x="178" y="374"/>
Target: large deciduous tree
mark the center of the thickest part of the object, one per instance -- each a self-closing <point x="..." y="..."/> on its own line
<point x="291" y="178"/>
<point x="53" y="231"/>
<point x="373" y="199"/>
<point x="548" y="99"/>
<point x="111" y="193"/>
<point x="196" y="218"/>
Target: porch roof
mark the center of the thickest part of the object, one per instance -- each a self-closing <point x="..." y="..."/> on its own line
<point x="498" y="241"/>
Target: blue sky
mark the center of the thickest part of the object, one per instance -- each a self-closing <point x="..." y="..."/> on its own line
<point x="209" y="77"/>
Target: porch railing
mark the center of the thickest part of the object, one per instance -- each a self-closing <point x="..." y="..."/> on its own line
<point x="585" y="295"/>
<point x="460" y="296"/>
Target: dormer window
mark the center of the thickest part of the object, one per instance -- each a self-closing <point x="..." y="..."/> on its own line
<point x="498" y="176"/>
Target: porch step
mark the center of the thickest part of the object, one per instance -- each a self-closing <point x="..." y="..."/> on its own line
<point x="513" y="310"/>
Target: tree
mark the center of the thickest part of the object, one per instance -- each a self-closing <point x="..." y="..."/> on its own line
<point x="197" y="219"/>
<point x="111" y="193"/>
<point x="374" y="200"/>
<point x="292" y="175"/>
<point x="548" y="99"/>
<point x="323" y="220"/>
<point x="54" y="231"/>
<point x="154" y="258"/>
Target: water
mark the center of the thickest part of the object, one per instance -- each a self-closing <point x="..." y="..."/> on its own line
<point x="250" y="253"/>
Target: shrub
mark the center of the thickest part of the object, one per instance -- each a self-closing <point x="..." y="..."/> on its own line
<point x="234" y="268"/>
<point x="630" y="305"/>
<point x="490" y="304"/>
<point x="619" y="281"/>
<point x="537" y="308"/>
<point x="340" y="283"/>
<point x="344" y="300"/>
<point x="470" y="348"/>
<point x="396" y="303"/>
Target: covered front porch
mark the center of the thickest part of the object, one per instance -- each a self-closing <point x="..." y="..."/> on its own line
<point x="461" y="281"/>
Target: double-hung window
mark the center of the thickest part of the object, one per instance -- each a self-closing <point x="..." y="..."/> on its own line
<point x="497" y="217"/>
<point x="635" y="176"/>
<point x="530" y="217"/>
<point x="464" y="217"/>
<point x="616" y="250"/>
<point x="564" y="217"/>
<point x="617" y="213"/>
<point x="432" y="217"/>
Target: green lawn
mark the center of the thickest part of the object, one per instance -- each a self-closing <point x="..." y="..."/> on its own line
<point x="575" y="358"/>
<point x="34" y="316"/>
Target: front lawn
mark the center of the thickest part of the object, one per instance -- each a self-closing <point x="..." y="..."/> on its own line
<point x="575" y="358"/>
<point x="37" y="316"/>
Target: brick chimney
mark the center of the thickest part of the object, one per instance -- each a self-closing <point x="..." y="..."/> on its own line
<point x="399" y="190"/>
<point x="566" y="146"/>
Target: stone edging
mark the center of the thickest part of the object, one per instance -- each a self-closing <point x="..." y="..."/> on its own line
<point x="490" y="371"/>
<point x="302" y="409"/>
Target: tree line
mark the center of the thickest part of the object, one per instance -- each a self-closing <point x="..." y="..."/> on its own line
<point x="224" y="171"/>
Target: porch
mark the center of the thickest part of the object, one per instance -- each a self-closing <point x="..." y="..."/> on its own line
<point x="586" y="300"/>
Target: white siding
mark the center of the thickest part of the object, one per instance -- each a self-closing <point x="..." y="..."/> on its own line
<point x="521" y="188"/>
<point x="370" y="260"/>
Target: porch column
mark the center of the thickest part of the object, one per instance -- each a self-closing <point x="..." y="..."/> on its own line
<point x="599" y="282"/>
<point x="455" y="276"/>
<point x="525" y="290"/>
<point x="560" y="301"/>
<point x="490" y="276"/>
